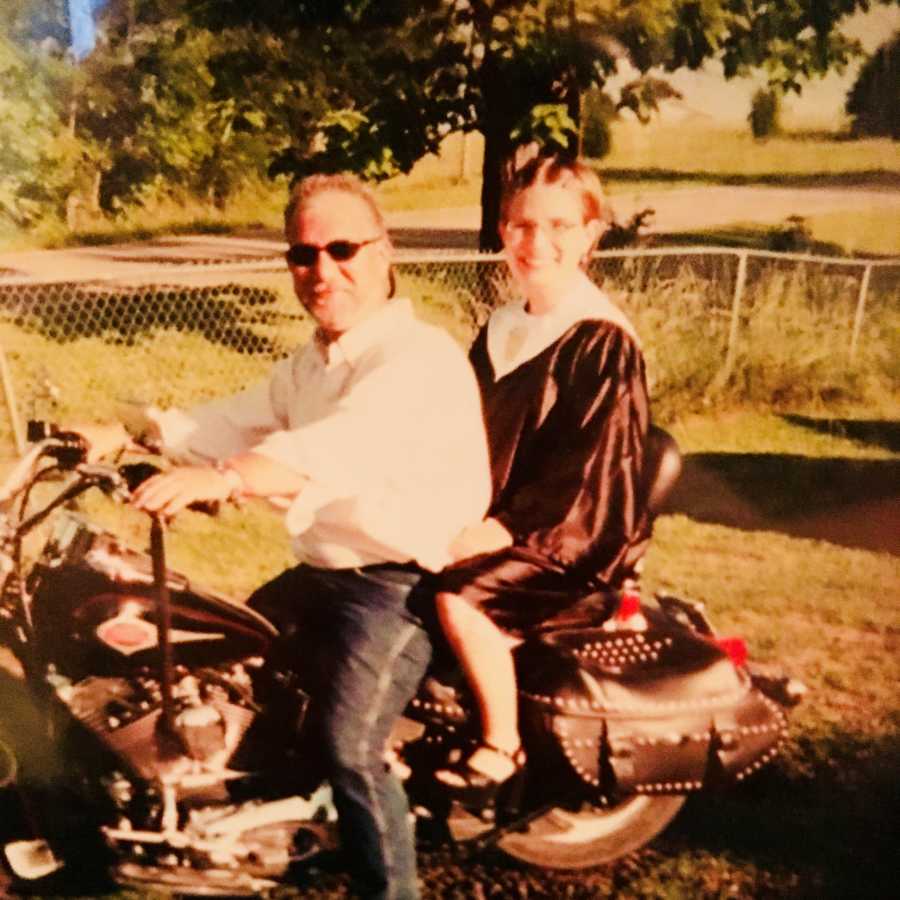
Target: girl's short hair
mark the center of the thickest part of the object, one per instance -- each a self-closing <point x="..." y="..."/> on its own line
<point x="562" y="171"/>
<point x="313" y="185"/>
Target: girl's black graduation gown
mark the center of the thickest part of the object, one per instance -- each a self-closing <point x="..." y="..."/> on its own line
<point x="566" y="431"/>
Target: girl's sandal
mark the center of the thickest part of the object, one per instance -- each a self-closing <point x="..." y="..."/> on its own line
<point x="475" y="788"/>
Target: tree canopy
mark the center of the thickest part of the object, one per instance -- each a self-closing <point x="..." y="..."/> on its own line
<point x="874" y="100"/>
<point x="198" y="93"/>
<point x="403" y="75"/>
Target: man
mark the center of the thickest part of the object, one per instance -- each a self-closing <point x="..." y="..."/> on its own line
<point x="372" y="436"/>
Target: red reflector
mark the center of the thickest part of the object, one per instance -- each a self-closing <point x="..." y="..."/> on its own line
<point x="127" y="634"/>
<point x="629" y="605"/>
<point x="736" y="649"/>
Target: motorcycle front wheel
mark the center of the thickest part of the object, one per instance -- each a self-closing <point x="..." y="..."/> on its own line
<point x="569" y="839"/>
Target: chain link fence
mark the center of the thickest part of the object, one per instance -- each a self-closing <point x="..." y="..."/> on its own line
<point x="717" y="325"/>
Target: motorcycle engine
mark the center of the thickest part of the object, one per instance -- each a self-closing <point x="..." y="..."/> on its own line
<point x="212" y="711"/>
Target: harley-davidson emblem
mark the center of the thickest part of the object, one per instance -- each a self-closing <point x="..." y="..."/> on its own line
<point x="128" y="632"/>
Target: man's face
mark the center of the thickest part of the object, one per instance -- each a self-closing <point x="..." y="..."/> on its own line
<point x="339" y="293"/>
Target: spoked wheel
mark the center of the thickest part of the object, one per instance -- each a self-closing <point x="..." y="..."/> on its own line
<point x="567" y="839"/>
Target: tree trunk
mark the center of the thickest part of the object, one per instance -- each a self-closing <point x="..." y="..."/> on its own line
<point x="499" y="117"/>
<point x="96" y="183"/>
<point x="496" y="149"/>
<point x="573" y="89"/>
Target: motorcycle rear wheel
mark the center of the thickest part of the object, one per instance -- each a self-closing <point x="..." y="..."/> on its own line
<point x="567" y="839"/>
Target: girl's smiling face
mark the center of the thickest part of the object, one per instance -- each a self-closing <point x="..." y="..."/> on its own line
<point x="545" y="236"/>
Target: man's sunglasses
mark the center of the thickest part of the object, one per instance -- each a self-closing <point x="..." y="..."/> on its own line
<point x="340" y="251"/>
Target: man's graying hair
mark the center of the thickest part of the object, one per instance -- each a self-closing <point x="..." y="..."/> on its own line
<point x="313" y="185"/>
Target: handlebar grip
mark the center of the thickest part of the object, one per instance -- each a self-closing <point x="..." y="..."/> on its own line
<point x="38" y="430"/>
<point x="135" y="474"/>
<point x="68" y="448"/>
<point x="207" y="507"/>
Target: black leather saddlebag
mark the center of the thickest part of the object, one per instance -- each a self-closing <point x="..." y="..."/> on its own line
<point x="648" y="704"/>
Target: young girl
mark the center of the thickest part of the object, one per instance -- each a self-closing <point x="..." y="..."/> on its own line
<point x="566" y="409"/>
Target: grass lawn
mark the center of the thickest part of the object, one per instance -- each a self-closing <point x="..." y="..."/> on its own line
<point x="673" y="152"/>
<point x="874" y="231"/>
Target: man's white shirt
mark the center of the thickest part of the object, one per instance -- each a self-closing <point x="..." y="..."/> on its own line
<point x="386" y="424"/>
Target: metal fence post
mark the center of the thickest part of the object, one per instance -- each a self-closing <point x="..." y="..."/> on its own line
<point x="860" y="309"/>
<point x="739" y="283"/>
<point x="9" y="394"/>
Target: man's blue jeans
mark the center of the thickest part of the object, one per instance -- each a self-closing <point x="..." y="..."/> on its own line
<point x="366" y="653"/>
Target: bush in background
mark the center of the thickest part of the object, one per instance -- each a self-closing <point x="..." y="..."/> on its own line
<point x="765" y="110"/>
<point x="597" y="112"/>
<point x="874" y="100"/>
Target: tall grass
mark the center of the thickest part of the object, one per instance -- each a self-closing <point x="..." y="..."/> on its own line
<point x="793" y="341"/>
<point x="715" y="154"/>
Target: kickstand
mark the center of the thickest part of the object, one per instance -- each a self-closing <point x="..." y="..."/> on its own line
<point x="518" y="823"/>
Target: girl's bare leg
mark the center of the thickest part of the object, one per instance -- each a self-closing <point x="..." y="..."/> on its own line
<point x="485" y="654"/>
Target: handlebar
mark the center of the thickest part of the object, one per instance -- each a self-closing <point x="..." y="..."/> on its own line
<point x="69" y="451"/>
<point x="68" y="448"/>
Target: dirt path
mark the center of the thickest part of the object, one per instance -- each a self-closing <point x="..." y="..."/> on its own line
<point x="679" y="209"/>
<point x="414" y="231"/>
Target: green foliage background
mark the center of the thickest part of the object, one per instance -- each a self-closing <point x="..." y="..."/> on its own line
<point x="193" y="98"/>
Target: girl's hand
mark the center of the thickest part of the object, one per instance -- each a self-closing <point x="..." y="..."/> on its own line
<point x="488" y="536"/>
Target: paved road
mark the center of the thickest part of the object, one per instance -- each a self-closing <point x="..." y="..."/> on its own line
<point x="679" y="209"/>
<point x="453" y="229"/>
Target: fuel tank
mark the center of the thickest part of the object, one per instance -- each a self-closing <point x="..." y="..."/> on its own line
<point x="95" y="610"/>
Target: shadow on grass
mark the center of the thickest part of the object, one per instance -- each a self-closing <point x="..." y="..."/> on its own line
<point x="32" y="809"/>
<point x="862" y="178"/>
<point x="878" y="432"/>
<point x="224" y="315"/>
<point x="137" y="233"/>
<point x="429" y="238"/>
<point x="749" y="238"/>
<point x="835" y="824"/>
<point x="852" y="502"/>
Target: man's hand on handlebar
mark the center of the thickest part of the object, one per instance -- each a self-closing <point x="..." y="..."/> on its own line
<point x="171" y="492"/>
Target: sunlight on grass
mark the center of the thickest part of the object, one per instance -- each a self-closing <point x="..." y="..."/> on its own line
<point x="750" y="431"/>
<point x="720" y="152"/>
<point x="436" y="192"/>
<point x="412" y="192"/>
<point x="256" y="205"/>
<point x="869" y="231"/>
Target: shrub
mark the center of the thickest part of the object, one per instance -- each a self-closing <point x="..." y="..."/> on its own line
<point x="765" y="109"/>
<point x="873" y="102"/>
<point x="596" y="114"/>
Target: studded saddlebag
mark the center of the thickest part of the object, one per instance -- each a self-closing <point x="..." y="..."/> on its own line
<point x="651" y="706"/>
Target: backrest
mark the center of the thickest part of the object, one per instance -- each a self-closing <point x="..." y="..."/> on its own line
<point x="663" y="466"/>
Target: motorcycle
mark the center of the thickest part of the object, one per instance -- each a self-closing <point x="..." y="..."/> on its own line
<point x="184" y="746"/>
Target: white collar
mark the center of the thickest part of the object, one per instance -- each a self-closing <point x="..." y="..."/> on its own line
<point x="394" y="316"/>
<point x="514" y="335"/>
